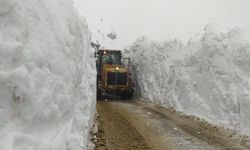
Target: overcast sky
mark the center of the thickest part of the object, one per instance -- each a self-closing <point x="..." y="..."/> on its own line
<point x="162" y="19"/>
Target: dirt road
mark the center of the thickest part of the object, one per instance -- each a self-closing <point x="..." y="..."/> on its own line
<point x="134" y="125"/>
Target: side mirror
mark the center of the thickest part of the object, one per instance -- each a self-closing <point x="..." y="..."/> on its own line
<point x="126" y="62"/>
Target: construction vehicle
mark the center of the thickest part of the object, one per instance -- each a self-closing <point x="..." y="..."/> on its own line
<point x="113" y="75"/>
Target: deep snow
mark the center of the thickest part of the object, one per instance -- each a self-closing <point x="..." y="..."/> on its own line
<point x="47" y="76"/>
<point x="208" y="77"/>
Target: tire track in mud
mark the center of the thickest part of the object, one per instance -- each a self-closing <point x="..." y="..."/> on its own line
<point x="119" y="132"/>
<point x="139" y="126"/>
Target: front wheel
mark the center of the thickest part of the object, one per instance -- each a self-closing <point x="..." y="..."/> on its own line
<point x="127" y="95"/>
<point x="99" y="95"/>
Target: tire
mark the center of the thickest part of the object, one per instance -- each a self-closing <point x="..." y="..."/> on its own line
<point x="127" y="95"/>
<point x="99" y="95"/>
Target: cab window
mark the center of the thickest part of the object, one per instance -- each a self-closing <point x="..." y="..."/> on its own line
<point x="111" y="58"/>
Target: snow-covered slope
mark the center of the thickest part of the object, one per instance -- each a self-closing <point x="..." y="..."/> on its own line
<point x="47" y="76"/>
<point x="209" y="77"/>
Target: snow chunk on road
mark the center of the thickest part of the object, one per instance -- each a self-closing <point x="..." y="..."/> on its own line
<point x="47" y="76"/>
<point x="209" y="77"/>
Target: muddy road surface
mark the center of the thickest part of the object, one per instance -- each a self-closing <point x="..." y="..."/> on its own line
<point x="134" y="125"/>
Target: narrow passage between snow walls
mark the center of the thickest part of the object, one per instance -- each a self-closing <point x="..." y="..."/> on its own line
<point x="209" y="77"/>
<point x="47" y="76"/>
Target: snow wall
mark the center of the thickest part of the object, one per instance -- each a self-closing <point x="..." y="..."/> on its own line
<point x="47" y="76"/>
<point x="209" y="77"/>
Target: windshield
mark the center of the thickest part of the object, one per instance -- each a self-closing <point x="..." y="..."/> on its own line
<point x="111" y="58"/>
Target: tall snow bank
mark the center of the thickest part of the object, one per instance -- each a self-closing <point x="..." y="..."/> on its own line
<point x="209" y="77"/>
<point x="47" y="76"/>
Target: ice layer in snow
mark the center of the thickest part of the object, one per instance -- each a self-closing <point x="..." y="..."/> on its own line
<point x="47" y="76"/>
<point x="208" y="77"/>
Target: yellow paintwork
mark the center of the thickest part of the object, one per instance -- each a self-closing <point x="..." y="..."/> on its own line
<point x="112" y="68"/>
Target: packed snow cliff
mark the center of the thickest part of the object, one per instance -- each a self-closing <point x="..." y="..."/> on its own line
<point x="47" y="76"/>
<point x="209" y="77"/>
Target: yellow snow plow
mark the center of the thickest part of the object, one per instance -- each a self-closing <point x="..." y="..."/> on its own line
<point x="113" y="75"/>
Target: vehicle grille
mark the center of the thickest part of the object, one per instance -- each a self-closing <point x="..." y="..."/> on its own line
<point x="116" y="78"/>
